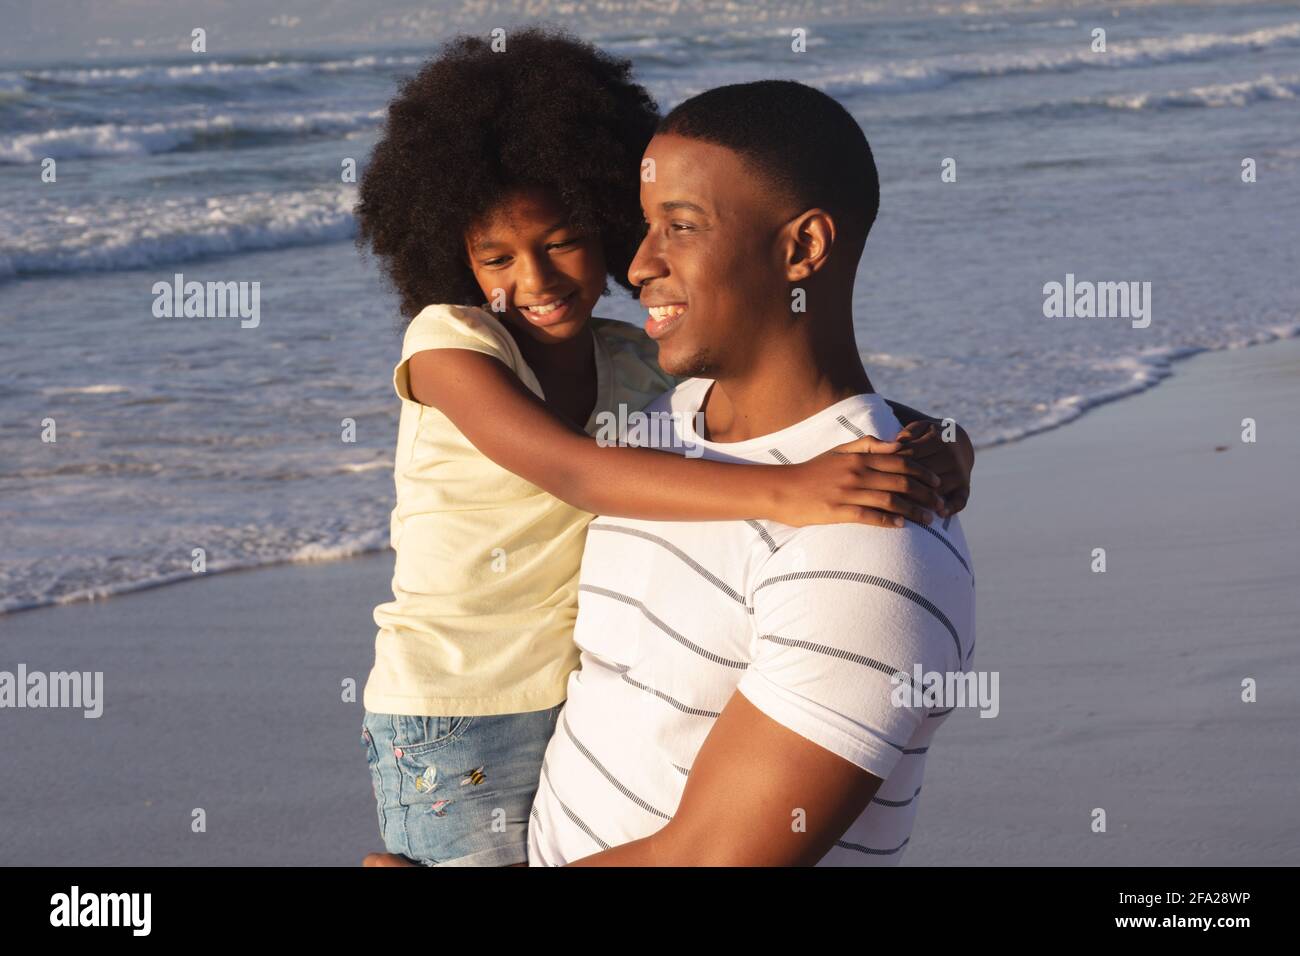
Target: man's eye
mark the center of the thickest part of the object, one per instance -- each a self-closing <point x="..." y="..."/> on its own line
<point x="682" y="226"/>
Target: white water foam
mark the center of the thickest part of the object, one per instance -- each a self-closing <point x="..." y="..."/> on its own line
<point x="125" y="139"/>
<point x="144" y="577"/>
<point x="1267" y="87"/>
<point x="117" y="234"/>
<point x="205" y="73"/>
<point x="924" y="74"/>
<point x="1146" y="370"/>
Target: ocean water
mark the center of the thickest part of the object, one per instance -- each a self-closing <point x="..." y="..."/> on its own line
<point x="176" y="434"/>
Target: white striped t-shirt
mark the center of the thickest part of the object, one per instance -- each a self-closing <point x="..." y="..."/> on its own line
<point x="810" y="624"/>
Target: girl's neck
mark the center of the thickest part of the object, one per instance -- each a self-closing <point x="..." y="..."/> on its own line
<point x="566" y="371"/>
<point x="574" y="357"/>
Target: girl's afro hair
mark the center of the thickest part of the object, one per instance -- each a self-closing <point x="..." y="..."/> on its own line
<point x="550" y="111"/>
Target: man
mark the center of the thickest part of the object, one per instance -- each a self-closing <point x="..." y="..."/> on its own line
<point x="737" y="699"/>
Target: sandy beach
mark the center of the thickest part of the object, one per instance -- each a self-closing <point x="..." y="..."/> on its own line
<point x="1118" y="690"/>
<point x="1123" y="690"/>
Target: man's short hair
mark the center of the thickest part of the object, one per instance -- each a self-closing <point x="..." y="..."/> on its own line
<point x="801" y="139"/>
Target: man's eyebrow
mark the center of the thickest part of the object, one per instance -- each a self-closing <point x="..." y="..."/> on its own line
<point x="674" y="204"/>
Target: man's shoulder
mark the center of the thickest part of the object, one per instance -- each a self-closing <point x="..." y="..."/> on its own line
<point x="915" y="556"/>
<point x="907" y="587"/>
<point x="866" y="414"/>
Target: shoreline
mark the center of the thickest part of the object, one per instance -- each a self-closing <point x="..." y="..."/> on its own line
<point x="1155" y="369"/>
<point x="1123" y="691"/>
<point x="1119" y="691"/>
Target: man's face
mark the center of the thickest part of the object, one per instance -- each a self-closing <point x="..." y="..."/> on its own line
<point x="711" y="271"/>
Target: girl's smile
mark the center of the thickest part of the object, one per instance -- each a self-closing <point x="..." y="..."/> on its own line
<point x="527" y="252"/>
<point x="549" y="312"/>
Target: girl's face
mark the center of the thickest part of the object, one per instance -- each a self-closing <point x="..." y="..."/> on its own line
<point x="528" y="260"/>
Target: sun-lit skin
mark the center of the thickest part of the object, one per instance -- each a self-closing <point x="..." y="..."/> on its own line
<point x="721" y="244"/>
<point x="727" y="245"/>
<point x="527" y="248"/>
<point x="705" y="226"/>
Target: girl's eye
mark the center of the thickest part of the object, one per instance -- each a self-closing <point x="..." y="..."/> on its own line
<point x="499" y="261"/>
<point x="564" y="242"/>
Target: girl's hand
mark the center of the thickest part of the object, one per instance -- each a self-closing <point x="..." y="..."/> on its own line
<point x="952" y="461"/>
<point x="866" y="481"/>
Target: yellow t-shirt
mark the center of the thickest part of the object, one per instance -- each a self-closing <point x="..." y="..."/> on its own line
<point x="485" y="588"/>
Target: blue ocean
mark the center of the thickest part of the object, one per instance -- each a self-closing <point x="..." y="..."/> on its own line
<point x="181" y="433"/>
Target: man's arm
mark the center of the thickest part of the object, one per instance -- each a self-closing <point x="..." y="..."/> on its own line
<point x="759" y="794"/>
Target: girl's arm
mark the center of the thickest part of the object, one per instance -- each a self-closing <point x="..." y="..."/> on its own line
<point x="515" y="429"/>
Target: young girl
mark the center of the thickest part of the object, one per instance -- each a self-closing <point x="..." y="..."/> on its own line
<point x="508" y="180"/>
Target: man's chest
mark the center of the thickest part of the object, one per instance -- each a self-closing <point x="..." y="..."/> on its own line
<point x="669" y="604"/>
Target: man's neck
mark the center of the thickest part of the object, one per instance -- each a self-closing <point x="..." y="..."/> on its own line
<point x="788" y="381"/>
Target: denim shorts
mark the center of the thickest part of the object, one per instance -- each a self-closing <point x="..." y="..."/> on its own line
<point x="457" y="791"/>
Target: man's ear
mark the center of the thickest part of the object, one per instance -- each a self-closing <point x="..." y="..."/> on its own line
<point x="811" y="237"/>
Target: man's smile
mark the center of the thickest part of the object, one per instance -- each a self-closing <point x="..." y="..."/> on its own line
<point x="663" y="318"/>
